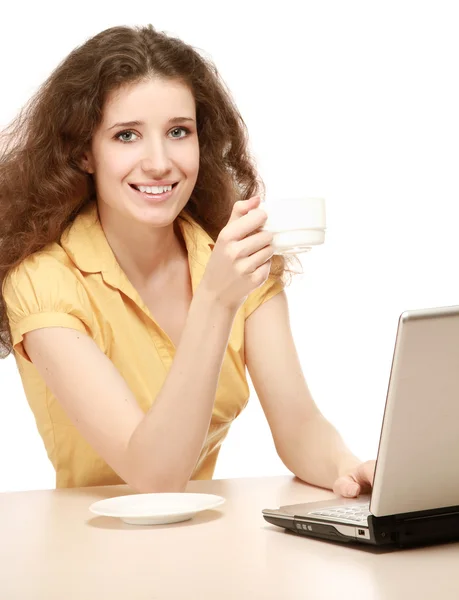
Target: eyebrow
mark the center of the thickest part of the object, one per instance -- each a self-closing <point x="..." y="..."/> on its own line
<point x="172" y="121"/>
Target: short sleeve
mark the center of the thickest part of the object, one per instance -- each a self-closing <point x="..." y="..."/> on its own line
<point x="271" y="287"/>
<point x="43" y="292"/>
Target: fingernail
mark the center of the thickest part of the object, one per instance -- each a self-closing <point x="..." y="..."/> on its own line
<point x="352" y="490"/>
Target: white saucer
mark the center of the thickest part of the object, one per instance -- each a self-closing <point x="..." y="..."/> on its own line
<point x="155" y="509"/>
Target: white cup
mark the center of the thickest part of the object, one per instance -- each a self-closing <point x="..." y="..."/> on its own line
<point x="298" y="224"/>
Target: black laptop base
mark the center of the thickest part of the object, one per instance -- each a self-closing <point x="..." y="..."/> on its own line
<point x="404" y="530"/>
<point x="416" y="528"/>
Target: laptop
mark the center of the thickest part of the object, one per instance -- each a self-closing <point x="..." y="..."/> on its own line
<point x="415" y="495"/>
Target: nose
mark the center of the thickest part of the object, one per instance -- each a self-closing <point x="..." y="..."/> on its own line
<point x="156" y="160"/>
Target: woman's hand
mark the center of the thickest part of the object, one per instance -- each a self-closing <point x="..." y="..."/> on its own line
<point x="357" y="481"/>
<point x="241" y="258"/>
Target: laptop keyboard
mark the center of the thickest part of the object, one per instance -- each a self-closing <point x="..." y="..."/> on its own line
<point x="357" y="514"/>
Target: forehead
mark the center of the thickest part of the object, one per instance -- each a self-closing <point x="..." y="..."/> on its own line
<point x="152" y="100"/>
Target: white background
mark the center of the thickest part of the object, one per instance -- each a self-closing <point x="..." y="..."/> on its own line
<point x="355" y="101"/>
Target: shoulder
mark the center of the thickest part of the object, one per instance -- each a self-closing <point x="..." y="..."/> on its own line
<point x="45" y="268"/>
<point x="45" y="282"/>
<point x="44" y="291"/>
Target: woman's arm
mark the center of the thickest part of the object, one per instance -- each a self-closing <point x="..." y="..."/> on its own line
<point x="158" y="451"/>
<point x="306" y="442"/>
<point x="152" y="452"/>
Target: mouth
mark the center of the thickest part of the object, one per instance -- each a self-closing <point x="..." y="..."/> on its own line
<point x="155" y="193"/>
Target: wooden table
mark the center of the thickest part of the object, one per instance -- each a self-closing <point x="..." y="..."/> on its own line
<point x="52" y="547"/>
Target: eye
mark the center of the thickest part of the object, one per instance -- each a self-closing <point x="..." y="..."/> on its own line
<point x="178" y="131"/>
<point x="121" y="136"/>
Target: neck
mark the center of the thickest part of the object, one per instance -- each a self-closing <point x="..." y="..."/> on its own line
<point x="142" y="251"/>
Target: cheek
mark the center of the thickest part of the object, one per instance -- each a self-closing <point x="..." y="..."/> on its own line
<point x="189" y="159"/>
<point x="115" y="162"/>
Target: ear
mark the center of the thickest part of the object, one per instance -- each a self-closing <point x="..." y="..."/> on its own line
<point x="87" y="162"/>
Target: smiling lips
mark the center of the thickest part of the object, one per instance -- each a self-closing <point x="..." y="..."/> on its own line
<point x="155" y="192"/>
<point x="153" y="189"/>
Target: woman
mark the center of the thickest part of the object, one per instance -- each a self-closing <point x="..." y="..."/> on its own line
<point x="137" y="282"/>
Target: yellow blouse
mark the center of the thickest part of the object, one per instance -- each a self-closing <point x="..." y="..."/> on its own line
<point x="78" y="283"/>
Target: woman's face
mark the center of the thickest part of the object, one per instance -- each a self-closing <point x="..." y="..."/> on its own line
<point x="145" y="153"/>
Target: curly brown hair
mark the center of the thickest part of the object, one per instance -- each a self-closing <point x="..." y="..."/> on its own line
<point x="42" y="183"/>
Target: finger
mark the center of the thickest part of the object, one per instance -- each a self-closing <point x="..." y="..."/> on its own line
<point x="365" y="475"/>
<point x="245" y="225"/>
<point x="242" y="207"/>
<point x="369" y="468"/>
<point x="346" y="487"/>
<point x="252" y="243"/>
<point x="257" y="259"/>
<point x="261" y="274"/>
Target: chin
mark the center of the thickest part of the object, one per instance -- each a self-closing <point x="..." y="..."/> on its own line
<point x="155" y="216"/>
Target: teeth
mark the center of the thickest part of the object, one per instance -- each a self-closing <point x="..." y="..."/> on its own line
<point x="160" y="189"/>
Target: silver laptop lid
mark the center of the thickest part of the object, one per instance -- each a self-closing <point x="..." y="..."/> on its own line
<point x="418" y="458"/>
